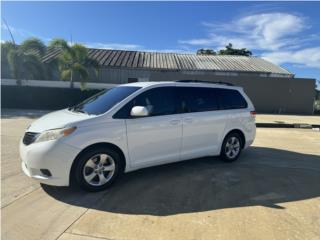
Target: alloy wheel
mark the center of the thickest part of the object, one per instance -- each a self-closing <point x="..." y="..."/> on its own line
<point x="232" y="148"/>
<point x="99" y="169"/>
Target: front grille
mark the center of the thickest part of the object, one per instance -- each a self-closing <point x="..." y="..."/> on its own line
<point x="29" y="137"/>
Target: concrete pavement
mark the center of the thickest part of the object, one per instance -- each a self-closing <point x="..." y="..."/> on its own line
<point x="288" y="119"/>
<point x="272" y="192"/>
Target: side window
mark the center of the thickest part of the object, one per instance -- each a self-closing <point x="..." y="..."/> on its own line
<point x="231" y="99"/>
<point x="159" y="101"/>
<point x="198" y="99"/>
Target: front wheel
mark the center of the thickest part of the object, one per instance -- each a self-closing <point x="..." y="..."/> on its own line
<point x="97" y="169"/>
<point x="231" y="147"/>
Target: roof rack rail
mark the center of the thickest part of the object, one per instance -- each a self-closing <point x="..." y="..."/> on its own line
<point x="200" y="81"/>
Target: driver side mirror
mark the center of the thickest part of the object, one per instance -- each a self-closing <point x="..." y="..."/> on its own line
<point x="139" y="111"/>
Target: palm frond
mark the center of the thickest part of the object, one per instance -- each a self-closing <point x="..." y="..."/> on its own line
<point x="83" y="85"/>
<point x="83" y="72"/>
<point x="91" y="63"/>
<point x="33" y="45"/>
<point x="15" y="62"/>
<point x="59" y="43"/>
<point x="7" y="46"/>
<point x="80" y="52"/>
<point x="66" y="74"/>
<point x="66" y="58"/>
<point x="33" y="67"/>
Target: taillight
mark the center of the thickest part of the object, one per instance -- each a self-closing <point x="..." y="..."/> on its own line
<point x="253" y="113"/>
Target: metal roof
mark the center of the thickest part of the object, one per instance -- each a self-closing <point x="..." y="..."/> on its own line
<point x="178" y="61"/>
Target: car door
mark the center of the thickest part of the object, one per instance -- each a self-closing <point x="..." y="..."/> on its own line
<point x="156" y="138"/>
<point x="203" y="122"/>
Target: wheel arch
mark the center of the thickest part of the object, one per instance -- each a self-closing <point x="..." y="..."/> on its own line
<point x="95" y="145"/>
<point x="240" y="132"/>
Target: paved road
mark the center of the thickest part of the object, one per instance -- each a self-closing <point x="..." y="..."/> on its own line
<point x="288" y="119"/>
<point x="272" y="192"/>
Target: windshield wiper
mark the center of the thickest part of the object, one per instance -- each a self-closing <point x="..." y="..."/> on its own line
<point x="77" y="109"/>
<point x="80" y="111"/>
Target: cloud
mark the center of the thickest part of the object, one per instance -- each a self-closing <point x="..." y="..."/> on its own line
<point x="114" y="46"/>
<point x="279" y="37"/>
<point x="269" y="31"/>
<point x="132" y="47"/>
<point x="309" y="57"/>
<point x="21" y="33"/>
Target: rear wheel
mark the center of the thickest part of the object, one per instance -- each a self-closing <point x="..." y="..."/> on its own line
<point x="97" y="169"/>
<point x="231" y="147"/>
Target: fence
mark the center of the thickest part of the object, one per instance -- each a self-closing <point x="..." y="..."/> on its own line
<point x="32" y="94"/>
<point x="54" y="84"/>
<point x="269" y="95"/>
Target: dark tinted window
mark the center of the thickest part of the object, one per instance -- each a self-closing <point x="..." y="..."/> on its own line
<point x="159" y="101"/>
<point x="231" y="99"/>
<point x="195" y="99"/>
<point x="104" y="101"/>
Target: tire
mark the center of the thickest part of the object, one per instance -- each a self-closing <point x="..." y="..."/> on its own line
<point x="231" y="147"/>
<point x="97" y="169"/>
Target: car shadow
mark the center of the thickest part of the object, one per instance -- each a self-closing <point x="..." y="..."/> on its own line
<point x="261" y="177"/>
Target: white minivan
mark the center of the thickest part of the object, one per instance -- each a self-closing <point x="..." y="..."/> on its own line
<point x="134" y="126"/>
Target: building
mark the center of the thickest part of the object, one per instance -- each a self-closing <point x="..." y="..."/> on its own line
<point x="271" y="88"/>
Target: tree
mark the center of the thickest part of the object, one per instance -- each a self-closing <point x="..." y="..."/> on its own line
<point x="203" y="51"/>
<point x="317" y="97"/>
<point x="25" y="59"/>
<point x="234" y="51"/>
<point x="5" y="67"/>
<point x="73" y="61"/>
<point x="229" y="50"/>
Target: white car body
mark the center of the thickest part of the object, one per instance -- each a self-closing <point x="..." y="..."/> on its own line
<point x="144" y="142"/>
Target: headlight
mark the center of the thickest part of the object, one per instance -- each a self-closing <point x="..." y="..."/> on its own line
<point x="55" y="134"/>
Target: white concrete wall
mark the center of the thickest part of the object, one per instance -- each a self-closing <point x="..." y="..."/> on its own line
<point x="55" y="84"/>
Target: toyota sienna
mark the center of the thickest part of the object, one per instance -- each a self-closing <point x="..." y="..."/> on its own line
<point x="134" y="126"/>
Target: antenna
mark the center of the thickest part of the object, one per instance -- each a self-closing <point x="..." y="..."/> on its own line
<point x="5" y="22"/>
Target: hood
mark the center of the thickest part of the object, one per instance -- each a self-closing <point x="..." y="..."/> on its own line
<point x="57" y="119"/>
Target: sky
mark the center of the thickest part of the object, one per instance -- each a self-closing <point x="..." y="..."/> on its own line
<point x="285" y="33"/>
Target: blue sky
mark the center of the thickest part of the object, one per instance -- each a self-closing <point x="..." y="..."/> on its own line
<point x="286" y="33"/>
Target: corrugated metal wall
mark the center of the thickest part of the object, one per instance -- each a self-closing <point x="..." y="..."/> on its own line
<point x="121" y="76"/>
<point x="269" y="94"/>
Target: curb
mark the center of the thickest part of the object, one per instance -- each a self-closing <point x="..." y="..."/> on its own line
<point x="287" y="125"/>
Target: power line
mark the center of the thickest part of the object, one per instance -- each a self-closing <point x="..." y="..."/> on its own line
<point x="12" y="38"/>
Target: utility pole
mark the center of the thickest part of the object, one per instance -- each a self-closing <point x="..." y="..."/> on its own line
<point x="12" y="38"/>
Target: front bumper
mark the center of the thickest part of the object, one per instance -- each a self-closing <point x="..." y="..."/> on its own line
<point x="55" y="156"/>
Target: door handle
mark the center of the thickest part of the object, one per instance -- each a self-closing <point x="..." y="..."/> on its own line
<point x="175" y="122"/>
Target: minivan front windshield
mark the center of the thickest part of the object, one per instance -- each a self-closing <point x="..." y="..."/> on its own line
<point x="104" y="100"/>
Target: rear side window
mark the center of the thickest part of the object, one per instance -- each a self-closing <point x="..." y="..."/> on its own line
<point x="197" y="99"/>
<point x="231" y="99"/>
<point x="159" y="101"/>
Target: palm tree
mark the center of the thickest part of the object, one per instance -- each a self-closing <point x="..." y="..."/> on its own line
<point x="6" y="47"/>
<point x="25" y="59"/>
<point x="73" y="61"/>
